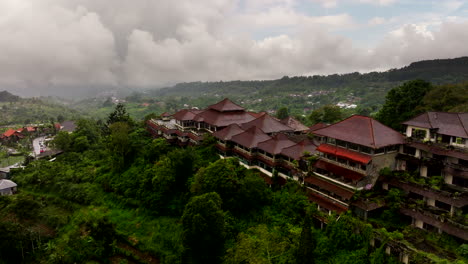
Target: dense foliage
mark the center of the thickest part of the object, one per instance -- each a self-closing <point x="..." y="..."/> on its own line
<point x="118" y="196"/>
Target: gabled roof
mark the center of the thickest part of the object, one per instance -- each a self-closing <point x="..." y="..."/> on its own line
<point x="225" y="106"/>
<point x="165" y="114"/>
<point x="297" y="151"/>
<point x="294" y="124"/>
<point x="186" y="114"/>
<point x="317" y="126"/>
<point x="30" y="129"/>
<point x="452" y="124"/>
<point x="227" y="132"/>
<point x="345" y="153"/>
<point x="362" y="130"/>
<point x="276" y="144"/>
<point x="267" y="124"/>
<point x="4" y="184"/>
<point x="9" y="133"/>
<point x="221" y="119"/>
<point x="251" y="137"/>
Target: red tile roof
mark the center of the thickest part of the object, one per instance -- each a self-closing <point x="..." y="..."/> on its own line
<point x="30" y="129"/>
<point x="165" y="114"/>
<point x="297" y="151"/>
<point x="452" y="124"/>
<point x="317" y="126"/>
<point x="9" y="133"/>
<point x="338" y="170"/>
<point x="226" y="105"/>
<point x="221" y="119"/>
<point x="251" y="137"/>
<point x="276" y="144"/>
<point x="227" y="132"/>
<point x="323" y="184"/>
<point x="267" y="124"/>
<point x="362" y="130"/>
<point x="345" y="153"/>
<point x="294" y="124"/>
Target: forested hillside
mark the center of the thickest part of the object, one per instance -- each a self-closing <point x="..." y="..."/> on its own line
<point x="20" y="111"/>
<point x="300" y="94"/>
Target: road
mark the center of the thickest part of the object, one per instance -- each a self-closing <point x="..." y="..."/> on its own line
<point x="37" y="145"/>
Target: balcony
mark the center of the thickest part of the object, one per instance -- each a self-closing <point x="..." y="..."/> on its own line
<point x="344" y="165"/>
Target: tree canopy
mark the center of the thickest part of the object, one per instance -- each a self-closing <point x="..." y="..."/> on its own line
<point x="402" y="103"/>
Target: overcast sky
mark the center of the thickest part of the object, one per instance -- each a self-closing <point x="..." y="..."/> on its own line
<point x="144" y="43"/>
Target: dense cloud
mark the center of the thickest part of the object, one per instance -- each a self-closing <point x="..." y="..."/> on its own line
<point x="88" y="43"/>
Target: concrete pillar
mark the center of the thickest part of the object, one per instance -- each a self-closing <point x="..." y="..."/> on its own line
<point x="372" y="242"/>
<point x="405" y="258"/>
<point x="430" y="202"/>
<point x="418" y="223"/>
<point x="448" y="178"/>
<point x="423" y="171"/>
<point x="388" y="250"/>
<point x="452" y="210"/>
<point x="385" y="186"/>
<point x="417" y="154"/>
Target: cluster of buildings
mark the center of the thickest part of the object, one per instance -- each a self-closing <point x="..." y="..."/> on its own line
<point x="14" y="135"/>
<point x="334" y="162"/>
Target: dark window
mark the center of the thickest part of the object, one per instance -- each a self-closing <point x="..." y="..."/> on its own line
<point x="442" y="205"/>
<point x="460" y="182"/>
<point x="409" y="150"/>
<point x="341" y="143"/>
<point x="463" y="162"/>
<point x="418" y="133"/>
<point x="366" y="150"/>
<point x="392" y="148"/>
<point x="380" y="151"/>
<point x="353" y="146"/>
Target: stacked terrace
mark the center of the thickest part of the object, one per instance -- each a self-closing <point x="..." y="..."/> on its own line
<point x="352" y="152"/>
<point x="437" y="152"/>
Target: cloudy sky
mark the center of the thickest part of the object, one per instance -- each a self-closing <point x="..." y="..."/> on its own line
<point x="69" y="44"/>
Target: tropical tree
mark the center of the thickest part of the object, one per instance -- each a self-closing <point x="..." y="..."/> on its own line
<point x="401" y="103"/>
<point x="203" y="229"/>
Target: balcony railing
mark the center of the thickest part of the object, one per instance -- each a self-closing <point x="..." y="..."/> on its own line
<point x="344" y="165"/>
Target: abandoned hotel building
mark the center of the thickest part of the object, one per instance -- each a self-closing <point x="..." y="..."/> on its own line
<point x="429" y="163"/>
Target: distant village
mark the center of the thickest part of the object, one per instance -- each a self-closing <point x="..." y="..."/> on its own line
<point x="35" y="139"/>
<point x="337" y="161"/>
